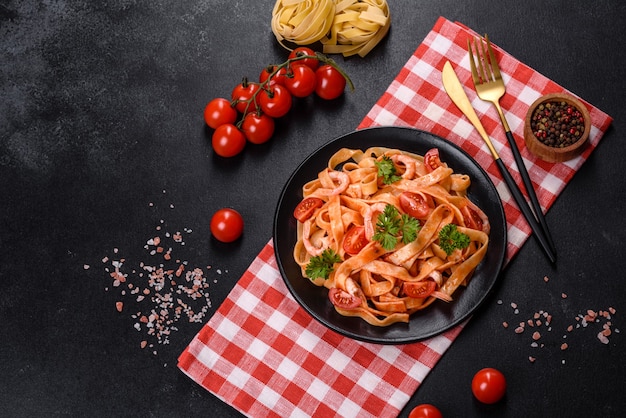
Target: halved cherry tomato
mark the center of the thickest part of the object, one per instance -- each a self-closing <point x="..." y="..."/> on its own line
<point x="355" y="240"/>
<point x="425" y="410"/>
<point x="300" y="81"/>
<point x="342" y="299"/>
<point x="312" y="63"/>
<point x="431" y="160"/>
<point x="415" y="204"/>
<point x="226" y="225"/>
<point x="277" y="78"/>
<point x="244" y="92"/>
<point x="306" y="207"/>
<point x="489" y="385"/>
<point x="330" y="82"/>
<point x="228" y="140"/>
<point x="258" y="128"/>
<point x="471" y="218"/>
<point x="419" y="290"/>
<point x="276" y="101"/>
<point x="218" y="112"/>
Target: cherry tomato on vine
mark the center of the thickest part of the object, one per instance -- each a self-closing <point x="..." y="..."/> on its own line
<point x="243" y="92"/>
<point x="218" y="112"/>
<point x="342" y="299"/>
<point x="276" y="101"/>
<point x="330" y="82"/>
<point x="489" y="385"/>
<point x="425" y="410"/>
<point x="420" y="290"/>
<point x="226" y="225"/>
<point x="228" y="140"/>
<point x="257" y="128"/>
<point x="277" y="78"/>
<point x="300" y="81"/>
<point x="312" y="63"/>
<point x="305" y="209"/>
<point x="415" y="204"/>
<point x="355" y="240"/>
<point x="431" y="160"/>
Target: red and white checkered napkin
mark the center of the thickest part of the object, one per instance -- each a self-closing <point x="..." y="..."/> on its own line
<point x="265" y="356"/>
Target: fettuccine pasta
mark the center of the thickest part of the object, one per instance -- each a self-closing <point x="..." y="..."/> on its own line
<point x="345" y="210"/>
<point x="347" y="27"/>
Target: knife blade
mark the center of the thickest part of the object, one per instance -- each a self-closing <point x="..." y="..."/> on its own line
<point x="452" y="85"/>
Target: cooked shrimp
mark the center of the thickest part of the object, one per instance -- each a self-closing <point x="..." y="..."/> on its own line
<point x="339" y="177"/>
<point x="368" y="221"/>
<point x="407" y="162"/>
<point x="310" y="247"/>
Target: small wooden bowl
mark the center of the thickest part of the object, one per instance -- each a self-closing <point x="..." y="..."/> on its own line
<point x="556" y="153"/>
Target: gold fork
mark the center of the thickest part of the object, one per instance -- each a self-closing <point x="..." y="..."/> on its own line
<point x="490" y="87"/>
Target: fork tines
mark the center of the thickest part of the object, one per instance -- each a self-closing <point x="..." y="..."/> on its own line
<point x="487" y="69"/>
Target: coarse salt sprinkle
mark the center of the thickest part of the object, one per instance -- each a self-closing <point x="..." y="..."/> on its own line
<point x="161" y="290"/>
<point x="542" y="320"/>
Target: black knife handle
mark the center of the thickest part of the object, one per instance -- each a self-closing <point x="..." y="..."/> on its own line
<point x="526" y="211"/>
<point x="528" y="185"/>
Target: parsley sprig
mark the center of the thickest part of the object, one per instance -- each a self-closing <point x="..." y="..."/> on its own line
<point x="322" y="265"/>
<point x="391" y="228"/>
<point x="387" y="170"/>
<point x="450" y="239"/>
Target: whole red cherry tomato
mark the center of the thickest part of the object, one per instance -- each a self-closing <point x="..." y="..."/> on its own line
<point x="342" y="299"/>
<point x="218" y="112"/>
<point x="306" y="208"/>
<point x="277" y="78"/>
<point x="257" y="128"/>
<point x="425" y="410"/>
<point x="300" y="81"/>
<point x="415" y="204"/>
<point x="243" y="93"/>
<point x="355" y="240"/>
<point x="276" y="101"/>
<point x="431" y="160"/>
<point x="228" y="140"/>
<point x="489" y="385"/>
<point x="226" y="225"/>
<point x="300" y="51"/>
<point x="330" y="82"/>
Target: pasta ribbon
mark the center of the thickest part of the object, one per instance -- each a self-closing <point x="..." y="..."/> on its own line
<point x="347" y="27"/>
<point x="383" y="278"/>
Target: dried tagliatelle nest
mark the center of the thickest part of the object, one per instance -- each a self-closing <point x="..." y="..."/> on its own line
<point x="347" y="27"/>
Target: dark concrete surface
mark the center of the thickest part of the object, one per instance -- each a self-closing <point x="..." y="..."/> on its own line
<point x="102" y="141"/>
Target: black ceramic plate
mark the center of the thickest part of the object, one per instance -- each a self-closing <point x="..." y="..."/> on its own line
<point x="438" y="317"/>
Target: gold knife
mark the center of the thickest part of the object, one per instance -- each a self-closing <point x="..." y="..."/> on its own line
<point x="454" y="88"/>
